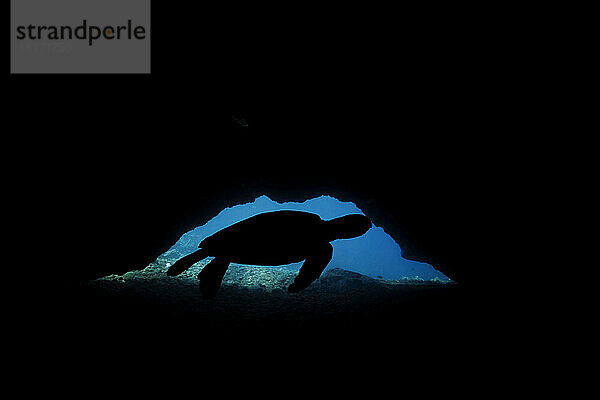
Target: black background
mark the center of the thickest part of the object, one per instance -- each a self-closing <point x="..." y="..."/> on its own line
<point x="405" y="109"/>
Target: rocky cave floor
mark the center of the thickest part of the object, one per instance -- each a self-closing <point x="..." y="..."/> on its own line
<point x="257" y="297"/>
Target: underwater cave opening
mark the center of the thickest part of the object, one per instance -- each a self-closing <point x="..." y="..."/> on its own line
<point x="374" y="254"/>
<point x="366" y="282"/>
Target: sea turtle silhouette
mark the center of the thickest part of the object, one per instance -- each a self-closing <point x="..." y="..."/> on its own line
<point x="272" y="238"/>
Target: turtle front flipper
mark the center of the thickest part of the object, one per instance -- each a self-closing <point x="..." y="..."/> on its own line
<point x="211" y="276"/>
<point x="312" y="268"/>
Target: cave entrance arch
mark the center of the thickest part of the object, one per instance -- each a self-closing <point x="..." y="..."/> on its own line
<point x="375" y="254"/>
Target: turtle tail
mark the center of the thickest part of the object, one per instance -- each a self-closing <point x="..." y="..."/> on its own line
<point x="186" y="262"/>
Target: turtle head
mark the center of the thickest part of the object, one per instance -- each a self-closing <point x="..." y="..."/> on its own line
<point x="347" y="227"/>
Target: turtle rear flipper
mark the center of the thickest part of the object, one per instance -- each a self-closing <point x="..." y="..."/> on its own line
<point x="312" y="268"/>
<point x="186" y="262"/>
<point x="211" y="276"/>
